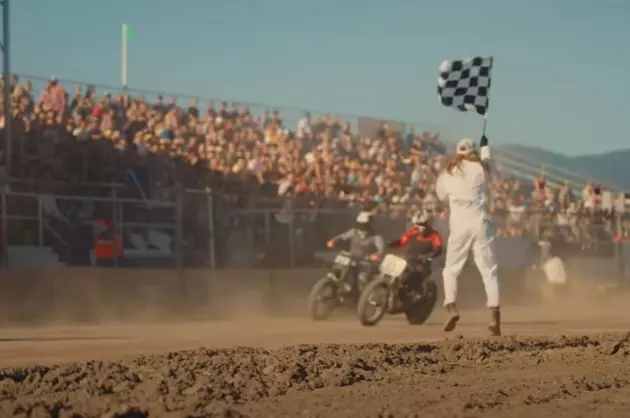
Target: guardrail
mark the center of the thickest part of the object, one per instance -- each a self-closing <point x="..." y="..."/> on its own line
<point x="210" y="231"/>
<point x="26" y="214"/>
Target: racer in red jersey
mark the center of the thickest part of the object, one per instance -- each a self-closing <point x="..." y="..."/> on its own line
<point x="422" y="243"/>
<point x="421" y="239"/>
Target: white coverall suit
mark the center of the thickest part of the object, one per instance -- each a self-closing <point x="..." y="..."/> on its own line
<point x="469" y="227"/>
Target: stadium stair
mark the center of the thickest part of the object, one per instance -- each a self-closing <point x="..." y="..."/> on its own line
<point x="27" y="256"/>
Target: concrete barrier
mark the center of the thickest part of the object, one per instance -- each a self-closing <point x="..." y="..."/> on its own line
<point x="97" y="294"/>
<point x="83" y="294"/>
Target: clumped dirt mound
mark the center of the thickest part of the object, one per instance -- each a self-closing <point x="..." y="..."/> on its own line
<point x="456" y="378"/>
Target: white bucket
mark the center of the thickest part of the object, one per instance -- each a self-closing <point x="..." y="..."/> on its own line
<point x="554" y="271"/>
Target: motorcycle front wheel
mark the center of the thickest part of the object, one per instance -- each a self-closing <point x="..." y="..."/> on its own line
<point x="373" y="301"/>
<point x="420" y="311"/>
<point x="323" y="298"/>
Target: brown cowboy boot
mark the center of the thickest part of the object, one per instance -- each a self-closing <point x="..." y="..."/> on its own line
<point x="495" y="325"/>
<point x="451" y="322"/>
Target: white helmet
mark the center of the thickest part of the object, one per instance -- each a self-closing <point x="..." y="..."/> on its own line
<point x="421" y="218"/>
<point x="364" y="222"/>
<point x="364" y="217"/>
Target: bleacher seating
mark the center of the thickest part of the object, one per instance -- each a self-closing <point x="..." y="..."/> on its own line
<point x="68" y="138"/>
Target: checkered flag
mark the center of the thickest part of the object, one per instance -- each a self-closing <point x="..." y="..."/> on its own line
<point x="465" y="84"/>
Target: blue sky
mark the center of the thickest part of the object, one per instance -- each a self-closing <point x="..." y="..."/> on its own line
<point x="560" y="79"/>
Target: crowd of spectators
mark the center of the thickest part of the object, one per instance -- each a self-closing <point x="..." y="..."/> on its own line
<point x="65" y="138"/>
<point x="596" y="216"/>
<point x="224" y="147"/>
<point x="80" y="137"/>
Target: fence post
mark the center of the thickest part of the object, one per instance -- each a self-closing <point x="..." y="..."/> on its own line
<point x="621" y="265"/>
<point x="40" y="221"/>
<point x="179" y="228"/>
<point x="267" y="226"/>
<point x="115" y="223"/>
<point x="179" y="240"/>
<point x="248" y="221"/>
<point x="292" y="234"/>
<point x="121" y="220"/>
<point x="5" y="233"/>
<point x="211" y="234"/>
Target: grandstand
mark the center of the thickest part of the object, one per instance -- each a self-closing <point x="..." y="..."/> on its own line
<point x="86" y="151"/>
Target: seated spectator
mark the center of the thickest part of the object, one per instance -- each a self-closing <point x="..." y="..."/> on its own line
<point x="155" y="146"/>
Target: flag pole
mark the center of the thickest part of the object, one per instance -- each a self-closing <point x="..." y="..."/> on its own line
<point x="485" y="124"/>
<point x="123" y="57"/>
<point x="485" y="115"/>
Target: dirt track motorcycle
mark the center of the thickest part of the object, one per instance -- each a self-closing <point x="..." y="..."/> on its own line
<point x="342" y="285"/>
<point x="399" y="288"/>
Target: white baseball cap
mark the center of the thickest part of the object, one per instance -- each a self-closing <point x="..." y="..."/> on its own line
<point x="466" y="146"/>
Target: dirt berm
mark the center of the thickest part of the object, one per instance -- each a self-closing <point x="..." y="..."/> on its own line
<point x="584" y="376"/>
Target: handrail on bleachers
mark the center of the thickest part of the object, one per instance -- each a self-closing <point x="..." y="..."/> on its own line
<point x="30" y="181"/>
<point x="562" y="173"/>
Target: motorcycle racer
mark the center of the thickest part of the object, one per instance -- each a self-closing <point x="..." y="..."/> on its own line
<point x="421" y="238"/>
<point x="362" y="237"/>
<point x="364" y="242"/>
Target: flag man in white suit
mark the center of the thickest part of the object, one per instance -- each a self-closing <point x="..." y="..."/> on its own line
<point x="463" y="184"/>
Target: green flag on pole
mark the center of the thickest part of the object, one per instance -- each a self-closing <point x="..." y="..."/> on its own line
<point x="128" y="33"/>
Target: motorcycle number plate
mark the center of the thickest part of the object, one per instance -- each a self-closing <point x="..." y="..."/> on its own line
<point x="342" y="260"/>
<point x="393" y="266"/>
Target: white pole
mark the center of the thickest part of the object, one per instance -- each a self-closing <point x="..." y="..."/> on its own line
<point x="123" y="58"/>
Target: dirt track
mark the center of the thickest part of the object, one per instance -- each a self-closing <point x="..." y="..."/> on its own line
<point x="343" y="370"/>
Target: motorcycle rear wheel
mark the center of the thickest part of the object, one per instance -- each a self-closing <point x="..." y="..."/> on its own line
<point x="367" y="302"/>
<point x="420" y="311"/>
<point x="323" y="299"/>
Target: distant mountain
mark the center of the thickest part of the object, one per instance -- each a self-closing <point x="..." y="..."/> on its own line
<point x="612" y="168"/>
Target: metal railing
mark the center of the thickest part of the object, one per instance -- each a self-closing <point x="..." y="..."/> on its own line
<point x="527" y="166"/>
<point x="288" y="234"/>
<point x="28" y="217"/>
<point x="216" y="231"/>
